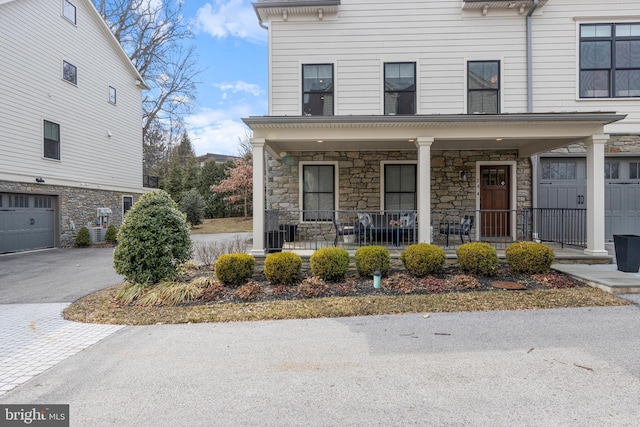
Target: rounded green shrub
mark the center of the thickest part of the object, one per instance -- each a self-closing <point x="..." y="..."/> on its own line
<point x="478" y="258"/>
<point x="111" y="234"/>
<point x="282" y="268"/>
<point x="153" y="240"/>
<point x="234" y="269"/>
<point x="83" y="239"/>
<point x="529" y="257"/>
<point x="423" y="259"/>
<point x="330" y="263"/>
<point x="372" y="258"/>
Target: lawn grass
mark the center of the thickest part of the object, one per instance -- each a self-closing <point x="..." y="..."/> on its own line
<point x="224" y="225"/>
<point x="101" y="307"/>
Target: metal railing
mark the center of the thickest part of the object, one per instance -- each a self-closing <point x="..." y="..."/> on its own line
<point x="560" y="225"/>
<point x="311" y="230"/>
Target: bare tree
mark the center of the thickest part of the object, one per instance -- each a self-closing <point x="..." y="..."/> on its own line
<point x="156" y="38"/>
<point x="245" y="149"/>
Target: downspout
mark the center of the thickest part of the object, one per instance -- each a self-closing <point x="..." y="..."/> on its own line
<point x="533" y="159"/>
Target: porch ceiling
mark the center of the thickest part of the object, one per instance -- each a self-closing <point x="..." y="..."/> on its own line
<point x="528" y="133"/>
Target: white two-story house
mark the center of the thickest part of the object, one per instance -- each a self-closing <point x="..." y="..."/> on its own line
<point x="70" y="115"/>
<point x="503" y="111"/>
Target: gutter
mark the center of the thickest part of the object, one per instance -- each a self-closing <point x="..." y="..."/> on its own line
<point x="530" y="58"/>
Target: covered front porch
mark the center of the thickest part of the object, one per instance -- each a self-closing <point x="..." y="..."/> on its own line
<point x="463" y="167"/>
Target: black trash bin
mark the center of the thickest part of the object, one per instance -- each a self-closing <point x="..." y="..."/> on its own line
<point x="275" y="239"/>
<point x="627" y="252"/>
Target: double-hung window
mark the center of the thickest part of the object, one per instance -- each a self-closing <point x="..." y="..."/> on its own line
<point x="399" y="88"/>
<point x="69" y="72"/>
<point x="610" y="60"/>
<point x="483" y="87"/>
<point x="400" y="187"/>
<point x="51" y="140"/>
<point x="317" y="90"/>
<point x="318" y="192"/>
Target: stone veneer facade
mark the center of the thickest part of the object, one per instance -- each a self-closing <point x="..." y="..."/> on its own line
<point x="617" y="144"/>
<point x="360" y="177"/>
<point x="75" y="207"/>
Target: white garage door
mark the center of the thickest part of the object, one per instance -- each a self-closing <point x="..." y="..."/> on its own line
<point x="26" y="222"/>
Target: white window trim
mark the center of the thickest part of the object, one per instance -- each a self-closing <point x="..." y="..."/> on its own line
<point x="465" y="65"/>
<point x="336" y="184"/>
<point x="56" y="121"/>
<point x="317" y="61"/>
<point x="382" y="88"/>
<point x="513" y="194"/>
<point x="65" y="80"/>
<point x="383" y="163"/>
<point x="62" y="4"/>
<point x="115" y="95"/>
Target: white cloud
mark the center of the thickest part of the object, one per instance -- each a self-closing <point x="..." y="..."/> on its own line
<point x="240" y="86"/>
<point x="217" y="130"/>
<point x="230" y="18"/>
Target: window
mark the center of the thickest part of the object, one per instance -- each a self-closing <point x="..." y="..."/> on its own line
<point x="559" y="170"/>
<point x="127" y="202"/>
<point x="634" y="170"/>
<point x="318" y="192"/>
<point x="19" y="201"/>
<point x="317" y="90"/>
<point x="611" y="170"/>
<point x="112" y="94"/>
<point x="69" y="72"/>
<point x="483" y="87"/>
<point x="400" y="187"/>
<point x="51" y="140"/>
<point x="399" y="88"/>
<point x="42" y="202"/>
<point x="69" y="10"/>
<point x="609" y="60"/>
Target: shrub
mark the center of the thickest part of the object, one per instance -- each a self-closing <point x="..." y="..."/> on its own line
<point x="423" y="259"/>
<point x="208" y="252"/>
<point x="529" y="257"/>
<point x="153" y="240"/>
<point x="282" y="268"/>
<point x="234" y="269"/>
<point x="330" y="263"/>
<point x="192" y="204"/>
<point x="372" y="258"/>
<point x="83" y="239"/>
<point x="248" y="291"/>
<point x="478" y="258"/>
<point x="312" y="287"/>
<point x="111" y="235"/>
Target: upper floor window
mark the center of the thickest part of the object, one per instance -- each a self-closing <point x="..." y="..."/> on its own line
<point x="317" y="90"/>
<point x="51" y="140"/>
<point x="69" y="72"/>
<point x="609" y="60"/>
<point x="399" y="88"/>
<point x="112" y="94"/>
<point x="69" y="10"/>
<point x="483" y="87"/>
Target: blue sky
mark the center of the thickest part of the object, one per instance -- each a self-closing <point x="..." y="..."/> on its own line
<point x="232" y="51"/>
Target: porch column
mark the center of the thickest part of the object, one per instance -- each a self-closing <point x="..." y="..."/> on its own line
<point x="424" y="188"/>
<point x="258" y="196"/>
<point x="595" y="194"/>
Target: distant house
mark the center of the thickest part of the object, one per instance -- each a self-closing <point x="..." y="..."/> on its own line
<point x="521" y="117"/>
<point x="218" y="158"/>
<point x="70" y="114"/>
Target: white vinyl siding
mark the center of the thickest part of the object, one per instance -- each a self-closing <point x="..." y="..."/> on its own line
<point x="31" y="94"/>
<point x="441" y="38"/>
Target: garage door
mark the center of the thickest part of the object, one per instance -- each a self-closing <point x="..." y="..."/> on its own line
<point x="26" y="222"/>
<point x="563" y="185"/>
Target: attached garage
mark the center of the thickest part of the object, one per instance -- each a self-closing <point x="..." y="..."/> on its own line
<point x="27" y="222"/>
<point x="562" y="183"/>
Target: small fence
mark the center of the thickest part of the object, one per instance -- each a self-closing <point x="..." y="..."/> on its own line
<point x="312" y="230"/>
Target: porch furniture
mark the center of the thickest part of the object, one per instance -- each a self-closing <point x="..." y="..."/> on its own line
<point x="462" y="229"/>
<point x="378" y="228"/>
<point x="342" y="230"/>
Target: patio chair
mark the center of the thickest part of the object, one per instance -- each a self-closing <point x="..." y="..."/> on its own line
<point x="342" y="230"/>
<point x="462" y="229"/>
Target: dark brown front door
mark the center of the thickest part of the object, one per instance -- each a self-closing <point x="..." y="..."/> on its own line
<point x="494" y="196"/>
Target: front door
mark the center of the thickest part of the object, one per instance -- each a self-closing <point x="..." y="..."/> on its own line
<point x="494" y="201"/>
